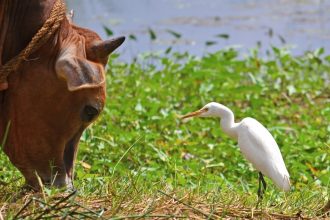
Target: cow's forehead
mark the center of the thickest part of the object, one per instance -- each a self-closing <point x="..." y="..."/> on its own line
<point x="73" y="48"/>
<point x="89" y="35"/>
<point x="74" y="44"/>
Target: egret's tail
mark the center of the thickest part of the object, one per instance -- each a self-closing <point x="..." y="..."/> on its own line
<point x="284" y="183"/>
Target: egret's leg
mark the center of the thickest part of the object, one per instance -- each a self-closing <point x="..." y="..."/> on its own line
<point x="263" y="181"/>
<point x="261" y="188"/>
<point x="259" y="192"/>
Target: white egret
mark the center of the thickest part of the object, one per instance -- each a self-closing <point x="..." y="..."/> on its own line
<point x="255" y="142"/>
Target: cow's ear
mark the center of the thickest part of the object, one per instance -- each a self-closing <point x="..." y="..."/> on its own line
<point x="79" y="73"/>
<point x="99" y="51"/>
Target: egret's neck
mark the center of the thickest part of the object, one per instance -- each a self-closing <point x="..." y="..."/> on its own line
<point x="227" y="122"/>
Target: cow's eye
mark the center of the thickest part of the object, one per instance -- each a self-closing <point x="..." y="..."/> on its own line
<point x="89" y="113"/>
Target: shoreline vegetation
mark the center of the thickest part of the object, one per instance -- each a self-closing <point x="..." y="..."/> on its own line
<point x="140" y="161"/>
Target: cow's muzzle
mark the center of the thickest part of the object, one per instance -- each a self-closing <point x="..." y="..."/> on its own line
<point x="69" y="156"/>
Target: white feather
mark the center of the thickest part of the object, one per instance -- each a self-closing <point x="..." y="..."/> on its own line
<point x="259" y="147"/>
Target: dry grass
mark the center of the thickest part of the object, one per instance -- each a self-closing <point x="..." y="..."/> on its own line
<point x="160" y="205"/>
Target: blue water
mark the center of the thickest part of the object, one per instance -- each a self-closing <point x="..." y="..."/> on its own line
<point x="303" y="24"/>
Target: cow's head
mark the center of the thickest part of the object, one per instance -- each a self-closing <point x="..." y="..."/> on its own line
<point x="51" y="100"/>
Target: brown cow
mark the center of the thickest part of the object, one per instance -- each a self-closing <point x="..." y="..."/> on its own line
<point x="53" y="96"/>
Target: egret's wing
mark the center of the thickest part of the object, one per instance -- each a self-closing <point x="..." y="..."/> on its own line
<point x="260" y="148"/>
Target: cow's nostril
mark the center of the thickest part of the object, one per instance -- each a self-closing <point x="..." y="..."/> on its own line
<point x="89" y="113"/>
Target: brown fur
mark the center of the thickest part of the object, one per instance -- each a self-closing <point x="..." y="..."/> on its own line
<point x="46" y="98"/>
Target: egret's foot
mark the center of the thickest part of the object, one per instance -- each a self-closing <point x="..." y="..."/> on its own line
<point x="260" y="197"/>
<point x="259" y="202"/>
<point x="260" y="194"/>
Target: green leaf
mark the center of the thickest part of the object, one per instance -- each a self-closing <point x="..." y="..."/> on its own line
<point x="173" y="33"/>
<point x="139" y="107"/>
<point x="224" y="36"/>
<point x="291" y="89"/>
<point x="210" y="43"/>
<point x="108" y="31"/>
<point x="319" y="51"/>
<point x="283" y="41"/>
<point x="152" y="34"/>
<point x="132" y="37"/>
<point x="168" y="50"/>
<point x="161" y="155"/>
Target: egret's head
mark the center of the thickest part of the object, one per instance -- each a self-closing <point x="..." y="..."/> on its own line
<point x="209" y="110"/>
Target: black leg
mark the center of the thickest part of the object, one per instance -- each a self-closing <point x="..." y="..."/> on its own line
<point x="263" y="181"/>
<point x="261" y="189"/>
<point x="262" y="186"/>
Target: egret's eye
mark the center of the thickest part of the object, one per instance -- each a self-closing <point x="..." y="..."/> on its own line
<point x="206" y="109"/>
<point x="89" y="113"/>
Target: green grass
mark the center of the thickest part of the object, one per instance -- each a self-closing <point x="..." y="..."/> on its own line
<point x="139" y="159"/>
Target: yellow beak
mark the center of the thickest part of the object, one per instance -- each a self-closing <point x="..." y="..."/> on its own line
<point x="194" y="114"/>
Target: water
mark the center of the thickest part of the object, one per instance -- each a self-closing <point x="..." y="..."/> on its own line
<point x="302" y="24"/>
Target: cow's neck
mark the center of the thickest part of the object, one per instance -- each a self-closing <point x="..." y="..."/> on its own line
<point x="19" y="21"/>
<point x="2" y="118"/>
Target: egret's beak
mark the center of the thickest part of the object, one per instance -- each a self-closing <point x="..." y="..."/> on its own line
<point x="194" y="114"/>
